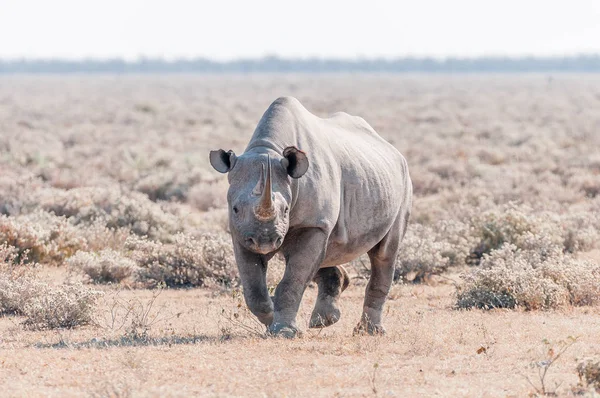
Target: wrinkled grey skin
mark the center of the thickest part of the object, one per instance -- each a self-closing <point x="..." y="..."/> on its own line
<point x="335" y="190"/>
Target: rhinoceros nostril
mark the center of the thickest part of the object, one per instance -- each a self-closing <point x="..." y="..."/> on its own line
<point x="250" y="241"/>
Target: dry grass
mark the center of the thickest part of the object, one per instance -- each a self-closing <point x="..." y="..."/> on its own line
<point x="109" y="177"/>
<point x="200" y="342"/>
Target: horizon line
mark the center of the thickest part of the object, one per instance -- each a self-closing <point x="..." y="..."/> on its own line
<point x="349" y="59"/>
<point x="270" y="64"/>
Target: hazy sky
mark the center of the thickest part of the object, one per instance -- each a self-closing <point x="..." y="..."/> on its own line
<point x="226" y="29"/>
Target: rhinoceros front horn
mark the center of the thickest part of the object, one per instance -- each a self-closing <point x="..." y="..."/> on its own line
<point x="265" y="209"/>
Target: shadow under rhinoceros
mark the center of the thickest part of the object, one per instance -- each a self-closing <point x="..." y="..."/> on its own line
<point x="130" y="341"/>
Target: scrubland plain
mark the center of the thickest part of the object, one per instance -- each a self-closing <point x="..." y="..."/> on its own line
<point x="117" y="276"/>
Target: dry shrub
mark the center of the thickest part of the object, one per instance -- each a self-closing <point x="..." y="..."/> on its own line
<point x="9" y="257"/>
<point x="41" y="237"/>
<point x="216" y="220"/>
<point x="497" y="227"/>
<point x="430" y="250"/>
<point x="433" y="247"/>
<point x="455" y="171"/>
<point x="15" y="185"/>
<point x="187" y="262"/>
<point x="426" y="183"/>
<point x="515" y="225"/>
<point x="46" y="307"/>
<point x="106" y="266"/>
<point x="581" y="231"/>
<point x="538" y="277"/>
<point x="589" y="372"/>
<point x="43" y="306"/>
<point x="167" y="185"/>
<point x="66" y="306"/>
<point x="98" y="236"/>
<point x="16" y="292"/>
<point x="208" y="195"/>
<point x="16" y="284"/>
<point x="421" y="255"/>
<point x="523" y="256"/>
<point x="459" y="240"/>
<point x="491" y="156"/>
<point x="589" y="185"/>
<point x="116" y="209"/>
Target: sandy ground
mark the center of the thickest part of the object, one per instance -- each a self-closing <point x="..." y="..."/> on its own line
<point x="197" y="345"/>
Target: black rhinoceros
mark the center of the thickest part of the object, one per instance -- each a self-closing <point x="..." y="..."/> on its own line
<point x="322" y="191"/>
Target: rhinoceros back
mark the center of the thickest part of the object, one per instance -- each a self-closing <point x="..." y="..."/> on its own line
<point x="357" y="183"/>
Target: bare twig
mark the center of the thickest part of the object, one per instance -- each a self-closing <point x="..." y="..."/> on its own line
<point x="373" y="378"/>
<point x="552" y="356"/>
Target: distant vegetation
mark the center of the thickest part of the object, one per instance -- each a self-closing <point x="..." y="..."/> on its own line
<point x="582" y="63"/>
<point x="117" y="271"/>
<point x="110" y="180"/>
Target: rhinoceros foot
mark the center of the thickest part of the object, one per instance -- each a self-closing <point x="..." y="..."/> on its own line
<point x="326" y="313"/>
<point x="283" y="330"/>
<point x="365" y="327"/>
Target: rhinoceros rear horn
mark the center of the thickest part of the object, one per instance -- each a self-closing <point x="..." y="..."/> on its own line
<point x="258" y="188"/>
<point x="222" y="161"/>
<point x="294" y="161"/>
<point x="265" y="209"/>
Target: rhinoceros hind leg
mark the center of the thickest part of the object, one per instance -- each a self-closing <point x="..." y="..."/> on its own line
<point x="383" y="260"/>
<point x="332" y="281"/>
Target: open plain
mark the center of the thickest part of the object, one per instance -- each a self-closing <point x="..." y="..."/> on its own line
<point x="117" y="276"/>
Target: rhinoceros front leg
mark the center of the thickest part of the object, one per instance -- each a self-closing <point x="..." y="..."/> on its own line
<point x="304" y="254"/>
<point x="332" y="281"/>
<point x="253" y="274"/>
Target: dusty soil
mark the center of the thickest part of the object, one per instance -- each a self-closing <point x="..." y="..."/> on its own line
<point x="204" y="342"/>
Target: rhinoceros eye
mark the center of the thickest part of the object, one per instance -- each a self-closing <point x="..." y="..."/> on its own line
<point x="235" y="209"/>
<point x="287" y="209"/>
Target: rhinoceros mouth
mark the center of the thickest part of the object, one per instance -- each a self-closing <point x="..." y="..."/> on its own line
<point x="263" y="248"/>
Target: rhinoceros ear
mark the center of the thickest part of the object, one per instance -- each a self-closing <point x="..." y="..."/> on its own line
<point x="222" y="161"/>
<point x="294" y="161"/>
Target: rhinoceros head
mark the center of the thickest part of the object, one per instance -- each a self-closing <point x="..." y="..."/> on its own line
<point x="260" y="194"/>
